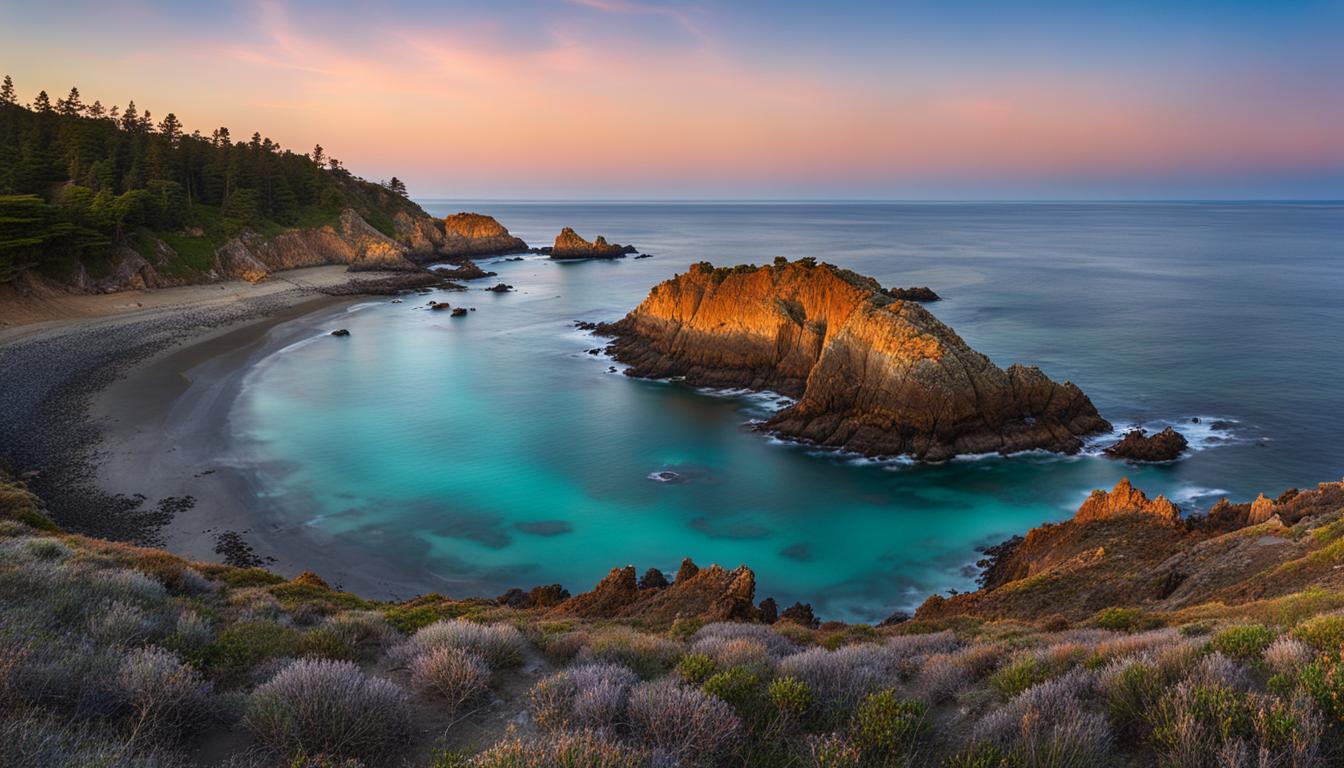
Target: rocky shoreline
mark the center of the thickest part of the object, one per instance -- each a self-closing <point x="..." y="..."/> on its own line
<point x="46" y="431"/>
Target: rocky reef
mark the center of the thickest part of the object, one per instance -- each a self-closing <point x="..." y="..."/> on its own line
<point x="1138" y="445"/>
<point x="870" y="373"/>
<point x="921" y="293"/>
<point x="569" y="245"/>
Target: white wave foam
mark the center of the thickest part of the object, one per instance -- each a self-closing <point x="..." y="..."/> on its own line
<point x="1208" y="432"/>
<point x="1189" y="494"/>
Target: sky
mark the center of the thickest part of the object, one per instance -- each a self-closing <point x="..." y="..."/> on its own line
<point x="769" y="99"/>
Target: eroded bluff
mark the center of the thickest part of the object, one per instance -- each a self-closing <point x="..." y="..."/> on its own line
<point x="871" y="374"/>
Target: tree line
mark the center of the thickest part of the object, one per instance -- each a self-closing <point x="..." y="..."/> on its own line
<point x="77" y="177"/>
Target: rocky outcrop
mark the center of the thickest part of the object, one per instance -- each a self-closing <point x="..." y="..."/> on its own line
<point x="1123" y="550"/>
<point x="1138" y="445"/>
<point x="1124" y="499"/>
<point x="709" y="594"/>
<point x="569" y="245"/>
<point x="474" y="234"/>
<point x="463" y="270"/>
<point x="350" y="240"/>
<point x="921" y="294"/>
<point x="423" y="236"/>
<point x="871" y="374"/>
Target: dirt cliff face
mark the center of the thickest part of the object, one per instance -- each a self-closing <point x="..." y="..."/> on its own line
<point x="350" y="241"/>
<point x="473" y="234"/>
<point x="872" y="374"/>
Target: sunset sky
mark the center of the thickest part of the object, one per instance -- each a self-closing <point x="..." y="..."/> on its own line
<point x="617" y="99"/>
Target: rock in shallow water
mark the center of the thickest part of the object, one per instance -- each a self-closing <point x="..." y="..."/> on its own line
<point x="1138" y="445"/>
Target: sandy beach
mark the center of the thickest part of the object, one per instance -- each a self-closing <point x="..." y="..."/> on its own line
<point x="124" y="399"/>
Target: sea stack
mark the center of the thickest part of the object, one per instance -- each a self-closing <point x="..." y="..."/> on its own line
<point x="569" y="245"/>
<point x="871" y="374"/>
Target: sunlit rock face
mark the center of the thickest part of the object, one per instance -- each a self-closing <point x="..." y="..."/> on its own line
<point x="570" y="245"/>
<point x="351" y="241"/>
<point x="474" y="234"/>
<point x="872" y="374"/>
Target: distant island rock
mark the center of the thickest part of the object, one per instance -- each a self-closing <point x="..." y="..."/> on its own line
<point x="871" y="374"/>
<point x="1138" y="445"/>
<point x="921" y="294"/>
<point x="569" y="245"/>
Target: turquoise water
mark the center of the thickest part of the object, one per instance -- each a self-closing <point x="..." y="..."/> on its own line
<point x="470" y="455"/>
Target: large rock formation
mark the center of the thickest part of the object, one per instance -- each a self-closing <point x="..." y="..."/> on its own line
<point x="872" y="374"/>
<point x="569" y="245"/>
<point x="709" y="594"/>
<point x="474" y="234"/>
<point x="351" y="241"/>
<point x="1124" y="499"/>
<point x="1138" y="445"/>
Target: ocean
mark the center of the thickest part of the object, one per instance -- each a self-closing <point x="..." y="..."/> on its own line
<point x="470" y="455"/>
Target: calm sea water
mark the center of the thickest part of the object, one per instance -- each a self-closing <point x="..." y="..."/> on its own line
<point x="474" y="454"/>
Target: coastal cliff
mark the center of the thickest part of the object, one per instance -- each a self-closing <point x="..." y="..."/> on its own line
<point x="872" y="374"/>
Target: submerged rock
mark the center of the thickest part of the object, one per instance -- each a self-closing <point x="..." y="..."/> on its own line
<point x="1137" y="445"/>
<point x="569" y="245"/>
<point x="871" y="374"/>
<point x="340" y="332"/>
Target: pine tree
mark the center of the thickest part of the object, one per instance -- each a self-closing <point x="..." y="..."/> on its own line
<point x="147" y="122"/>
<point x="220" y="137"/>
<point x="71" y="105"/>
<point x="42" y="104"/>
<point x="397" y="186"/>
<point x="96" y="110"/>
<point x="171" y="129"/>
<point x="319" y="156"/>
<point x="114" y="113"/>
<point x="7" y="95"/>
<point x="130" y="119"/>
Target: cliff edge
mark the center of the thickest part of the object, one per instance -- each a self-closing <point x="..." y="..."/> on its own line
<point x="872" y="374"/>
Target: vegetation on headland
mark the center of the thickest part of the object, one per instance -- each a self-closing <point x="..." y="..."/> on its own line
<point x="79" y="180"/>
<point x="116" y="655"/>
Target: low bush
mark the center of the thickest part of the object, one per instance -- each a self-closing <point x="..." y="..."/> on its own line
<point x="689" y="726"/>
<point x="314" y="707"/>
<point x="452" y="674"/>
<point x="1325" y="632"/>
<point x="888" y="725"/>
<point x="244" y="645"/>
<point x="1131" y="689"/>
<point x="1018" y="675"/>
<point x="164" y="696"/>
<point x="791" y="697"/>
<point x="648" y="655"/>
<point x="694" y="668"/>
<point x="1286" y="654"/>
<point x="1246" y="642"/>
<point x="1125" y="619"/>
<point x="500" y="645"/>
<point x="839" y="679"/>
<point x="775" y="643"/>
<point x="584" y="749"/>
<point x="593" y="695"/>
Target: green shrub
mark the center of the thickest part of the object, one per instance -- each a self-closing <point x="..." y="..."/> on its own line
<point x="1018" y="675"/>
<point x="887" y="725"/>
<point x="246" y="644"/>
<point x="695" y="668"/>
<point x="1323" y="681"/>
<point x="1246" y="642"/>
<point x="1125" y="619"/>
<point x="327" y="642"/>
<point x="1131" y="694"/>
<point x="740" y="689"/>
<point x="1325" y="633"/>
<point x="790" y="696"/>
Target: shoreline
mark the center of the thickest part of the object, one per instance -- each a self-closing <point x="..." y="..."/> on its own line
<point x="123" y="401"/>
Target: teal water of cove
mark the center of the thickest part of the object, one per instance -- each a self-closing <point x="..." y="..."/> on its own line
<point x="469" y="455"/>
